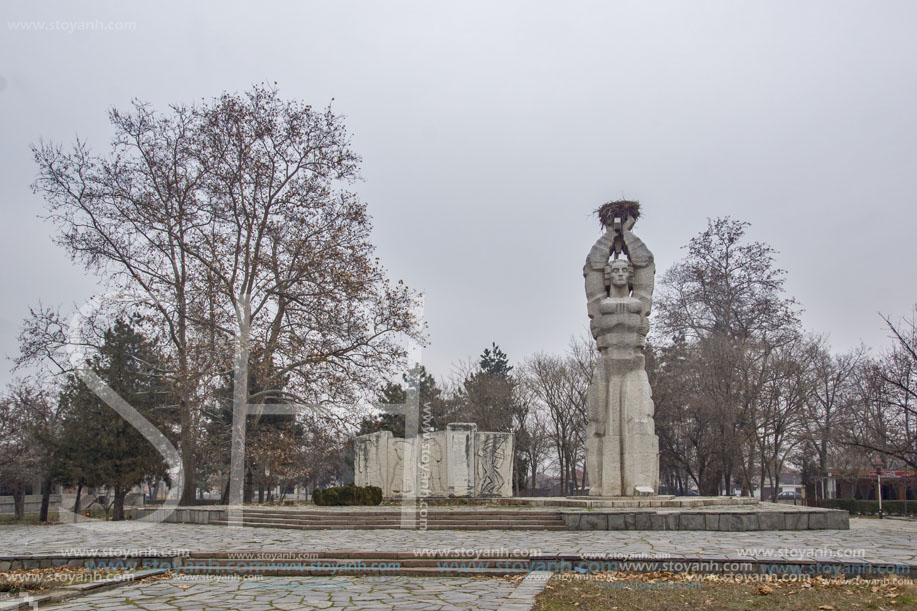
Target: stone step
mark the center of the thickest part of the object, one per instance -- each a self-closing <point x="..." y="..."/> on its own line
<point x="452" y="524"/>
<point x="349" y="555"/>
<point x="357" y="514"/>
<point x="430" y="516"/>
<point x="396" y="525"/>
<point x="397" y="518"/>
<point x="200" y="564"/>
<point x="368" y="570"/>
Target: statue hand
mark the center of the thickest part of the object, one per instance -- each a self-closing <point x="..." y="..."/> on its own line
<point x="629" y="223"/>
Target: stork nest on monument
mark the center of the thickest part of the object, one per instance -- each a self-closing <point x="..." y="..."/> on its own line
<point x="621" y="209"/>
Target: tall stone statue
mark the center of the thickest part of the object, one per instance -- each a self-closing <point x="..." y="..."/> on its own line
<point x="622" y="450"/>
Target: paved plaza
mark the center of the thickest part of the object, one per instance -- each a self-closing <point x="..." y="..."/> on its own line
<point x="891" y="541"/>
<point x="879" y="541"/>
<point x="286" y="593"/>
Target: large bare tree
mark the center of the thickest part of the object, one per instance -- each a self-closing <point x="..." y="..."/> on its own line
<point x="287" y="255"/>
<point x="229" y="219"/>
<point x="125" y="216"/>
<point x="725" y="303"/>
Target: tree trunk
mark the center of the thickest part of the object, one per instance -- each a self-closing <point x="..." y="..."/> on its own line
<point x="188" y="489"/>
<point x="76" y="504"/>
<point x="240" y="402"/>
<point x="248" y="489"/>
<point x="19" y="501"/>
<point x="117" y="513"/>
<point x="188" y="465"/>
<point x="45" y="499"/>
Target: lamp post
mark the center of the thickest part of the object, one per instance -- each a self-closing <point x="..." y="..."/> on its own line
<point x="878" y="466"/>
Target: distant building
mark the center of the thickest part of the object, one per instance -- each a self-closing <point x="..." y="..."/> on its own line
<point x="898" y="484"/>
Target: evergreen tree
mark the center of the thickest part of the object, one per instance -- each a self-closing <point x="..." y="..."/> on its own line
<point x="495" y="362"/>
<point x="99" y="448"/>
<point x="488" y="394"/>
<point x="434" y="408"/>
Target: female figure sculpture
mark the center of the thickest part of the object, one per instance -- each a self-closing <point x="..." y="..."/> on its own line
<point x="622" y="450"/>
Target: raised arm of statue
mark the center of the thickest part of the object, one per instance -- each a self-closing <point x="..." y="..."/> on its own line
<point x="644" y="268"/>
<point x="594" y="272"/>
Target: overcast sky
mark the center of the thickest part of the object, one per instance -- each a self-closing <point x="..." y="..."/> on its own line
<point x="489" y="132"/>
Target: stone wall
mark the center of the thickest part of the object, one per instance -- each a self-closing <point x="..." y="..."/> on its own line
<point x="32" y="504"/>
<point x="457" y="462"/>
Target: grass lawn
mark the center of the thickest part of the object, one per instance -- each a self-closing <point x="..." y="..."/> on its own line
<point x="36" y="580"/>
<point x="30" y="519"/>
<point x="664" y="591"/>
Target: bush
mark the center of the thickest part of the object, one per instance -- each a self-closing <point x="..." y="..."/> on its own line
<point x="348" y="495"/>
<point x="862" y="507"/>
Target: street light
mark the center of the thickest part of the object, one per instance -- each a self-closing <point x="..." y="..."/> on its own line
<point x="878" y="466"/>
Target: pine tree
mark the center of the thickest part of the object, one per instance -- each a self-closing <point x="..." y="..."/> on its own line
<point x="99" y="448"/>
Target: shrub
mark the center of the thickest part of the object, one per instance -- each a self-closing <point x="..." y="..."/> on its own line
<point x="375" y="495"/>
<point x="348" y="495"/>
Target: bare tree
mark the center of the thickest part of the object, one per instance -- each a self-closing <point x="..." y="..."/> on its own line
<point x="885" y="421"/>
<point x="532" y="439"/>
<point x="684" y="419"/>
<point x="229" y="220"/>
<point x="725" y="304"/>
<point x="20" y="458"/>
<point x="290" y="255"/>
<point x="560" y="385"/>
<point x="781" y="413"/>
<point x="830" y="404"/>
<point x="125" y="217"/>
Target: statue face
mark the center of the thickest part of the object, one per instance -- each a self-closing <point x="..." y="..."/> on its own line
<point x="619" y="273"/>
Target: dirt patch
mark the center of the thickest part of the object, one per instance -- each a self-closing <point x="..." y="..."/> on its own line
<point x="664" y="591"/>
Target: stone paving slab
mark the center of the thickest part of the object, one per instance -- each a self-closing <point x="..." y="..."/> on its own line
<point x="44" y="598"/>
<point x="868" y="540"/>
<point x="287" y="593"/>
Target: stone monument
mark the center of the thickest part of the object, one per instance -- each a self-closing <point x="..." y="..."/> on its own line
<point x="457" y="462"/>
<point x="622" y="450"/>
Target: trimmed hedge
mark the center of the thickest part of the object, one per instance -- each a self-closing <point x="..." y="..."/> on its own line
<point x="861" y="507"/>
<point x="348" y="495"/>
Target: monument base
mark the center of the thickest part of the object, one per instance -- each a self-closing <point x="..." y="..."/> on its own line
<point x="533" y="513"/>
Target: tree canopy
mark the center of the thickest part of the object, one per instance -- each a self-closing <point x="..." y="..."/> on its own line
<point x="230" y="221"/>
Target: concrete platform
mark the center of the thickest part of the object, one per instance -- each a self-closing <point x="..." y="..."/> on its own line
<point x="699" y="513"/>
<point x="586" y="502"/>
<point x="740" y="517"/>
